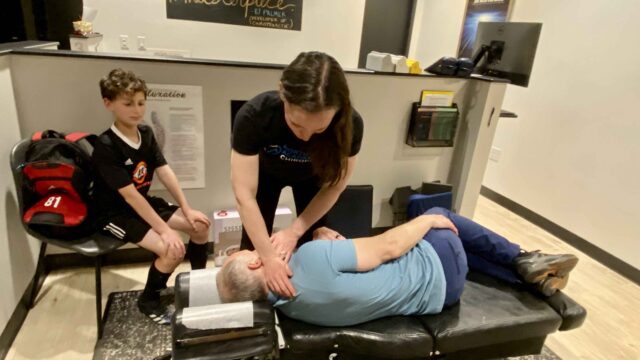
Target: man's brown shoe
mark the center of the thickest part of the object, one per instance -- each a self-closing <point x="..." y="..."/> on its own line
<point x="550" y="285"/>
<point x="534" y="267"/>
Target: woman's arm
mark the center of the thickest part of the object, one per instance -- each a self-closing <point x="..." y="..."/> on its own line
<point x="286" y="239"/>
<point x="244" y="180"/>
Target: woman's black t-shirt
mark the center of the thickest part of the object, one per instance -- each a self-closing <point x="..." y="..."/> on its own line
<point x="260" y="128"/>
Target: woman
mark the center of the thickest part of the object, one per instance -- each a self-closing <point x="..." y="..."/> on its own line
<point x="307" y="136"/>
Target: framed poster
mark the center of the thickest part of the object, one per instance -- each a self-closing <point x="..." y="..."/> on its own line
<point x="477" y="11"/>
<point x="272" y="14"/>
<point x="175" y="114"/>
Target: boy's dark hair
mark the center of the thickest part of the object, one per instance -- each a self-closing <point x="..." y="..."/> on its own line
<point x="315" y="81"/>
<point x="120" y="82"/>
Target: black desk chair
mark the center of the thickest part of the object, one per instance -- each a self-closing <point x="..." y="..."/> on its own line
<point x="96" y="245"/>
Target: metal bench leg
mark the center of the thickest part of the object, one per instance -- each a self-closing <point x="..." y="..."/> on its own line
<point x="35" y="288"/>
<point x="99" y="295"/>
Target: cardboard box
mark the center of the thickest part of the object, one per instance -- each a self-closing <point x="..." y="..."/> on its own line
<point x="227" y="228"/>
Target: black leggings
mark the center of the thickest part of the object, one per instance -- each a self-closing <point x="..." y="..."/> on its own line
<point x="268" y="195"/>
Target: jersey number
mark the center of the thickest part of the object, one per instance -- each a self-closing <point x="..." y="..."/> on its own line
<point x="53" y="201"/>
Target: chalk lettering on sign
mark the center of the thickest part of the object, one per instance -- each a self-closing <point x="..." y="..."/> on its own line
<point x="245" y="4"/>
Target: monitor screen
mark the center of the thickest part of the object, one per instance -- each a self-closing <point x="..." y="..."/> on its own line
<point x="511" y="50"/>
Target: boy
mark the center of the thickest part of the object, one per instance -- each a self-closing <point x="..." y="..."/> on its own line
<point x="126" y="157"/>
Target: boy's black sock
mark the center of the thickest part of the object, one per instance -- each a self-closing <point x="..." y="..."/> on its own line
<point x="197" y="254"/>
<point x="156" y="281"/>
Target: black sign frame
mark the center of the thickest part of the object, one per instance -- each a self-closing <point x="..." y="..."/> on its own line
<point x="272" y="14"/>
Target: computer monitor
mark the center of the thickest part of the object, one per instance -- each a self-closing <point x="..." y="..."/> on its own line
<point x="506" y="50"/>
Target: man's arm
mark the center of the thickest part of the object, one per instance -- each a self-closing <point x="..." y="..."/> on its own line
<point x="325" y="233"/>
<point x="373" y="251"/>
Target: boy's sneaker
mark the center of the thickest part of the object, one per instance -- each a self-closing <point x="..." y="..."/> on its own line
<point x="534" y="267"/>
<point x="156" y="310"/>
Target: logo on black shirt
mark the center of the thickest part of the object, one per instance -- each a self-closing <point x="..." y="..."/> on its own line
<point x="140" y="173"/>
<point x="283" y="152"/>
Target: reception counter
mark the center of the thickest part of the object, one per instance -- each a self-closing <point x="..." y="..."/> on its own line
<point x="59" y="90"/>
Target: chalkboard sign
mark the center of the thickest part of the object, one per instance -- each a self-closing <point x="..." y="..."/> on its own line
<point x="273" y="14"/>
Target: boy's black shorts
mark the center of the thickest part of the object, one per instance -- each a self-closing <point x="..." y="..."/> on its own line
<point x="129" y="226"/>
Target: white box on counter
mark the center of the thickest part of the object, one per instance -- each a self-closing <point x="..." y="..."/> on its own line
<point x="227" y="228"/>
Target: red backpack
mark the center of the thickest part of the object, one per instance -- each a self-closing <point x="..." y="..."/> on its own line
<point x="57" y="184"/>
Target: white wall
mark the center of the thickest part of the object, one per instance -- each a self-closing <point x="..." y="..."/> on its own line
<point x="573" y="153"/>
<point x="436" y="29"/>
<point x="384" y="101"/>
<point x="332" y="26"/>
<point x="18" y="253"/>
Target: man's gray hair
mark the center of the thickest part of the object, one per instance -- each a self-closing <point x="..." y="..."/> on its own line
<point x="238" y="283"/>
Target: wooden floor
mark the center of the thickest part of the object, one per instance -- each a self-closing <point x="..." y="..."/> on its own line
<point x="62" y="324"/>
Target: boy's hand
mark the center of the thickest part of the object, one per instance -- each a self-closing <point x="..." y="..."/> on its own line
<point x="325" y="233"/>
<point x="194" y="217"/>
<point x="175" y="246"/>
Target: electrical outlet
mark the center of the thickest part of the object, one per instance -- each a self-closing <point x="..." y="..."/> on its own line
<point x="495" y="154"/>
<point x="124" y="42"/>
<point x="141" y="42"/>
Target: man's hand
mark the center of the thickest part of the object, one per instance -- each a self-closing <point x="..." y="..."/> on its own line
<point x="276" y="274"/>
<point x="325" y="233"/>
<point x="173" y="241"/>
<point x="195" y="217"/>
<point x="284" y="242"/>
<point x="442" y="222"/>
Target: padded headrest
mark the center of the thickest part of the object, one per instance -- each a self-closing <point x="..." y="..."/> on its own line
<point x="219" y="316"/>
<point x="202" y="287"/>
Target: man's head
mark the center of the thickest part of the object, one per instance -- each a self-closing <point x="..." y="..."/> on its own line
<point x="241" y="278"/>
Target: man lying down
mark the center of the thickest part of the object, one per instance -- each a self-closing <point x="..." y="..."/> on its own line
<point x="400" y="272"/>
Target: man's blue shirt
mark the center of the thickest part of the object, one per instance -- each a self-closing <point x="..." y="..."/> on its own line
<point x="331" y="293"/>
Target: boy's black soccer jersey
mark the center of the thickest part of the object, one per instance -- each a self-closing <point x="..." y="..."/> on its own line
<point x="120" y="162"/>
<point x="260" y="128"/>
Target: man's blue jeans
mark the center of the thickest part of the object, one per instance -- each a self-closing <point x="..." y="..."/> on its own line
<point x="476" y="248"/>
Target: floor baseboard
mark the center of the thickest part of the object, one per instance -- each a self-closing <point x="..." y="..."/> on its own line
<point x="565" y="235"/>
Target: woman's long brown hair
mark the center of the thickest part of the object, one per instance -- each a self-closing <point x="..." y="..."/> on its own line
<point x="315" y="81"/>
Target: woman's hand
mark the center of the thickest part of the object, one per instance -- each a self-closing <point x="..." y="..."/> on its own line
<point x="325" y="233"/>
<point x="276" y="274"/>
<point x="284" y="242"/>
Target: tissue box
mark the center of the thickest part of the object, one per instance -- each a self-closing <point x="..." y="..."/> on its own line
<point x="400" y="63"/>
<point x="379" y="62"/>
<point x="227" y="227"/>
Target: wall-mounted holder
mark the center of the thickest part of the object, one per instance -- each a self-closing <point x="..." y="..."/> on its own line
<point x="432" y="126"/>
